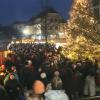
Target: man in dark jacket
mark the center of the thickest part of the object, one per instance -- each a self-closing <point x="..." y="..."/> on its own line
<point x="3" y="94"/>
<point x="13" y="88"/>
<point x="90" y="85"/>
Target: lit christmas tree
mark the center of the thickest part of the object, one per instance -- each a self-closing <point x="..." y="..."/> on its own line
<point x="82" y="34"/>
<point x="82" y="21"/>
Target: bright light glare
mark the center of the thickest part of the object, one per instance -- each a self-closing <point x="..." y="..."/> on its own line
<point x="26" y="32"/>
<point x="12" y="42"/>
<point x="60" y="33"/>
<point x="39" y="37"/>
<point x="39" y="42"/>
<point x="17" y="42"/>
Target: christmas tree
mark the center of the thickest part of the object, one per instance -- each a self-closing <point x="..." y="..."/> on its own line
<point x="82" y="34"/>
<point x="83" y="22"/>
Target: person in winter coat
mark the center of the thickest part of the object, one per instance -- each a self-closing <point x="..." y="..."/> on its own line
<point x="3" y="94"/>
<point x="56" y="81"/>
<point x="27" y="76"/>
<point x="90" y="84"/>
<point x="13" y="88"/>
<point x="12" y="71"/>
<point x="56" y="95"/>
<point x="37" y="91"/>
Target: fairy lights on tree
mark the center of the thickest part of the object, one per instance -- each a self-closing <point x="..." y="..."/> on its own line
<point x="82" y="22"/>
<point x="82" y="34"/>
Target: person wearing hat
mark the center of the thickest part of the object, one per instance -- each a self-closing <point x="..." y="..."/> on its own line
<point x="12" y="71"/>
<point x="13" y="88"/>
<point x="57" y="93"/>
<point x="56" y="81"/>
<point x="43" y="76"/>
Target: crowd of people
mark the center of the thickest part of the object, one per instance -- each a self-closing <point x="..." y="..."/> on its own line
<point x="40" y="72"/>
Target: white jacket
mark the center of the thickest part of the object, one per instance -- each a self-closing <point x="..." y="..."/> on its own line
<point x="56" y="95"/>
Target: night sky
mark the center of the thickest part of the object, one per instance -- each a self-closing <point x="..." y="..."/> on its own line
<point x="23" y="10"/>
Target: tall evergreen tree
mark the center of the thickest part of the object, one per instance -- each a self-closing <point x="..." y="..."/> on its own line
<point x="83" y="22"/>
<point x="81" y="32"/>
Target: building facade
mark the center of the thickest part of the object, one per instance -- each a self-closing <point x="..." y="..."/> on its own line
<point x="50" y="25"/>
